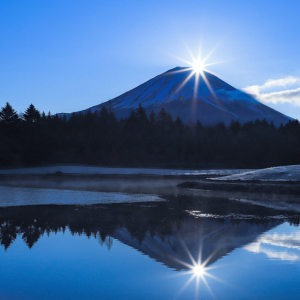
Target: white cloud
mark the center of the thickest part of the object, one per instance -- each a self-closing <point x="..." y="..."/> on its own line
<point x="288" y="241"/>
<point x="279" y="255"/>
<point x="287" y="96"/>
<point x="277" y="241"/>
<point x="289" y="256"/>
<point x="283" y="82"/>
<point x="252" y="90"/>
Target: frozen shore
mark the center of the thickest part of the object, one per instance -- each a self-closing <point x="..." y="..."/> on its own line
<point x="284" y="173"/>
<point x="117" y="171"/>
<point x="20" y="196"/>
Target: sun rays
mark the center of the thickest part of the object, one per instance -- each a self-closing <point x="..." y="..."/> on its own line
<point x="198" y="69"/>
<point x="198" y="269"/>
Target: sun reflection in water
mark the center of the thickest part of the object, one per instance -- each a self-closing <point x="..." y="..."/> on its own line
<point x="198" y="271"/>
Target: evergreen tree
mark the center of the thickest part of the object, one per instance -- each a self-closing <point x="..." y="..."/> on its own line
<point x="198" y="128"/>
<point x="221" y="128"/>
<point x="131" y="122"/>
<point x="8" y="115"/>
<point x="179" y="124"/>
<point x="235" y="127"/>
<point x="152" y="118"/>
<point x="103" y="116"/>
<point x="31" y="114"/>
<point x="141" y="114"/>
<point x="162" y="115"/>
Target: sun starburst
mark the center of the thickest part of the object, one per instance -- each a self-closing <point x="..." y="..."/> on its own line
<point x="198" y="67"/>
<point x="198" y="269"/>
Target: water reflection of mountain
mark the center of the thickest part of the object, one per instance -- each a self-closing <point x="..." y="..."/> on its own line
<point x="158" y="230"/>
<point x="214" y="238"/>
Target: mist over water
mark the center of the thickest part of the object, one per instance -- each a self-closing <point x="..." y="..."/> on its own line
<point x="58" y="190"/>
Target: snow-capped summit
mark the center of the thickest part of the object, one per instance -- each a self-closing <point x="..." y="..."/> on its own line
<point x="194" y="97"/>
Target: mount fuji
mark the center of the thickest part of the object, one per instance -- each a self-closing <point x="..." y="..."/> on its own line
<point x="206" y="98"/>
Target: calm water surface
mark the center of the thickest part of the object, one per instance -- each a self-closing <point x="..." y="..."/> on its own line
<point x="150" y="250"/>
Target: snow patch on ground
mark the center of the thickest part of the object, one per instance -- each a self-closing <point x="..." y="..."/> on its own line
<point x="19" y="196"/>
<point x="199" y="214"/>
<point x="284" y="173"/>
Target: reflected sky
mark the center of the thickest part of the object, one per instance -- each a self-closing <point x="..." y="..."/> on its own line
<point x="145" y="250"/>
<point x="278" y="246"/>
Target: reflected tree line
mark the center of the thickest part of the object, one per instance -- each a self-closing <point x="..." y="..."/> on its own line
<point x="98" y="138"/>
<point x="101" y="221"/>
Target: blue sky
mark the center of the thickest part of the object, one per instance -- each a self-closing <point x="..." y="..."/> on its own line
<point x="68" y="55"/>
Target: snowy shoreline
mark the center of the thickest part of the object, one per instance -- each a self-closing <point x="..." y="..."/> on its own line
<point x="284" y="173"/>
<point x="23" y="196"/>
<point x="84" y="170"/>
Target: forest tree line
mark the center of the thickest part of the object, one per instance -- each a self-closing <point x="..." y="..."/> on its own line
<point x="157" y="140"/>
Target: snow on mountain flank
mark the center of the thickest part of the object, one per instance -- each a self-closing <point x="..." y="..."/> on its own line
<point x="210" y="99"/>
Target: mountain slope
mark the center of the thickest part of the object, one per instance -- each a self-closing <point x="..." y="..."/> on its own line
<point x="211" y="100"/>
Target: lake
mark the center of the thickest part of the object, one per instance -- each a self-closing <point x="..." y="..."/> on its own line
<point x="141" y="246"/>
